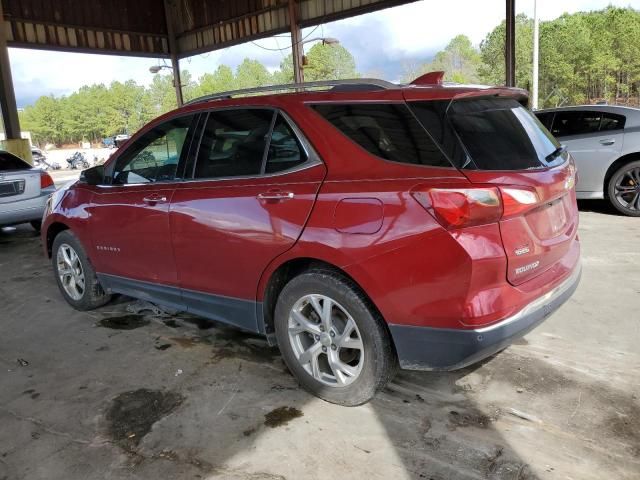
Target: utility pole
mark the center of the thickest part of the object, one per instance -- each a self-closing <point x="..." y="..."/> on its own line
<point x="536" y="54"/>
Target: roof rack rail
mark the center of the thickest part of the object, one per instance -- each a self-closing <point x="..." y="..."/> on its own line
<point x="351" y="84"/>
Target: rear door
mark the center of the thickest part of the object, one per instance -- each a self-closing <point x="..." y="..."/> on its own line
<point x="594" y="139"/>
<point x="255" y="182"/>
<point x="129" y="218"/>
<point x="503" y="144"/>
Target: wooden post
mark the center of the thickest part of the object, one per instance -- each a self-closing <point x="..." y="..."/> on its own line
<point x="173" y="50"/>
<point x="510" y="44"/>
<point x="7" y="94"/>
<point x="296" y="42"/>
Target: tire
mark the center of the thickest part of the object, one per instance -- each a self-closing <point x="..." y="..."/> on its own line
<point x="362" y="370"/>
<point x="77" y="263"/>
<point x="624" y="189"/>
<point x="37" y="225"/>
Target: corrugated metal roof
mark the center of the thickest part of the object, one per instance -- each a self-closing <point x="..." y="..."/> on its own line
<point x="140" y="27"/>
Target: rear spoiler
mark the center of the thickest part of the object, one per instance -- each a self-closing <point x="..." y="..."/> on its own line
<point x="462" y="92"/>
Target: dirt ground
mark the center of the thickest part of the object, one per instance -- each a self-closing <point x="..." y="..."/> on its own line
<point x="112" y="395"/>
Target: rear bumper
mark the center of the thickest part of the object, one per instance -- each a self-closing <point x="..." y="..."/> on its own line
<point x="23" y="211"/>
<point x="426" y="348"/>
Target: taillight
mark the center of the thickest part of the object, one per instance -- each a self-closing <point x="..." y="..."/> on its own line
<point x="45" y="180"/>
<point x="461" y="207"/>
<point x="517" y="200"/>
<point x="466" y="207"/>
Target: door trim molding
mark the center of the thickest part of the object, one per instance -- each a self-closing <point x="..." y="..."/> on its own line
<point x="232" y="311"/>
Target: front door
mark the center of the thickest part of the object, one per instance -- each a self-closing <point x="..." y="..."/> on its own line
<point x="130" y="217"/>
<point x="255" y="182"/>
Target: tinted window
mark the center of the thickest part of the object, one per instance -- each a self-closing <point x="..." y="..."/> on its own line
<point x="611" y="121"/>
<point x="388" y="131"/>
<point x="233" y="143"/>
<point x="155" y="156"/>
<point x="8" y="161"/>
<point x="500" y="134"/>
<point x="285" y="150"/>
<point x="546" y="119"/>
<point x="575" y="123"/>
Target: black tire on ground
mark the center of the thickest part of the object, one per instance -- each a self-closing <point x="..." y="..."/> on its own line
<point x="628" y="174"/>
<point x="37" y="225"/>
<point x="380" y="359"/>
<point x="93" y="295"/>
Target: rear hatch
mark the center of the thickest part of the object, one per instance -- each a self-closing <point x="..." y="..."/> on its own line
<point x="18" y="180"/>
<point x="496" y="142"/>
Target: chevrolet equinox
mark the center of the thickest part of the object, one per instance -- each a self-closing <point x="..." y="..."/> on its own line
<point x="358" y="225"/>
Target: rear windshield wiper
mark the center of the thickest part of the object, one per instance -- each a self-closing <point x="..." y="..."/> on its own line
<point x="556" y="153"/>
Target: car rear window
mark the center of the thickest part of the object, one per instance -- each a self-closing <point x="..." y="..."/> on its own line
<point x="495" y="133"/>
<point x="387" y="130"/>
<point x="8" y="161"/>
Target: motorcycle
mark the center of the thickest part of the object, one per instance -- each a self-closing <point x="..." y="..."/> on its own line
<point x="42" y="162"/>
<point x="78" y="160"/>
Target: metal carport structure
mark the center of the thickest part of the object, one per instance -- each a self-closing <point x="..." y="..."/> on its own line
<point x="170" y="29"/>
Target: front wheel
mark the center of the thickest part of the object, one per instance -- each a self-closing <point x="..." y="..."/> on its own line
<point x="75" y="275"/>
<point x="332" y="339"/>
<point x="624" y="189"/>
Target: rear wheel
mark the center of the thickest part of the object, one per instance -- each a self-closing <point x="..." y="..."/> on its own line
<point x="332" y="339"/>
<point x="75" y="275"/>
<point x="624" y="189"/>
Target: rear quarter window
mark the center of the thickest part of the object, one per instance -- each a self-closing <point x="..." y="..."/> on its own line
<point x="494" y="133"/>
<point x="386" y="130"/>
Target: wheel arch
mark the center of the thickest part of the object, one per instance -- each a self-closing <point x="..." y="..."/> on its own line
<point x="52" y="232"/>
<point x="286" y="271"/>
<point x="613" y="168"/>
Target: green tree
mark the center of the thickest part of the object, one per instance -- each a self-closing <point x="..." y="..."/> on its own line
<point x="584" y="57"/>
<point x="460" y="61"/>
<point x="324" y="62"/>
<point x="251" y="73"/>
<point x="221" y="80"/>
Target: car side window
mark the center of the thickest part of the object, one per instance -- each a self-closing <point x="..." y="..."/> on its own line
<point x="576" y="123"/>
<point x="612" y="121"/>
<point x="233" y="143"/>
<point x="386" y="130"/>
<point x="285" y="150"/>
<point x="546" y="119"/>
<point x="154" y="157"/>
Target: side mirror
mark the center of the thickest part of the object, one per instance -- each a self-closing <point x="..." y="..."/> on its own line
<point x="93" y="176"/>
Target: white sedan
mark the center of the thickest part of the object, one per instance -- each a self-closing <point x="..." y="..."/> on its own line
<point x="23" y="191"/>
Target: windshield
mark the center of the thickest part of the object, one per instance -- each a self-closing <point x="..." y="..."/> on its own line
<point x="494" y="133"/>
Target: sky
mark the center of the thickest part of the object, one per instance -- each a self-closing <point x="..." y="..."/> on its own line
<point x="383" y="43"/>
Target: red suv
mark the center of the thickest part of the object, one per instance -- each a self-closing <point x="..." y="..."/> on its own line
<point x="356" y="227"/>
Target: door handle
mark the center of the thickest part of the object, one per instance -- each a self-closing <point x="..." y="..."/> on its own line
<point x="608" y="141"/>
<point x="276" y="195"/>
<point x="152" y="199"/>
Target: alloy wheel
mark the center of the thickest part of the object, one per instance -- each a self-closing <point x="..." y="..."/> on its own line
<point x="627" y="189"/>
<point x="326" y="340"/>
<point x="70" y="271"/>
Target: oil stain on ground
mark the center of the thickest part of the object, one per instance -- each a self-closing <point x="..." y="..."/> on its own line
<point x="281" y="416"/>
<point x="230" y="343"/>
<point x="132" y="414"/>
<point x="124" y="322"/>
